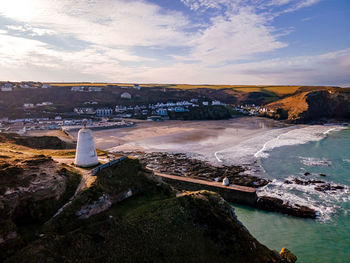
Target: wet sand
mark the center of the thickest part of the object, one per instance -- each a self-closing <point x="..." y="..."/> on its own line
<point x="198" y="138"/>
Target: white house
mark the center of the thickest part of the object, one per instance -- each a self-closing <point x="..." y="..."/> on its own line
<point x="137" y="86"/>
<point x="45" y="86"/>
<point x="6" y="88"/>
<point x="78" y="88"/>
<point x="126" y="95"/>
<point x="28" y="105"/>
<point x="104" y="112"/>
<point x="84" y="110"/>
<point x="120" y="108"/>
<point x="94" y="89"/>
<point x="215" y="102"/>
<point x="205" y="103"/>
<point x="24" y="86"/>
<point x="47" y="103"/>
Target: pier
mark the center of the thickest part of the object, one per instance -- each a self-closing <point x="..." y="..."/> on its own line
<point x="233" y="193"/>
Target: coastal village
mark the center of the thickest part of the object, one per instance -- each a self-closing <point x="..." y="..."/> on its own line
<point x="100" y="116"/>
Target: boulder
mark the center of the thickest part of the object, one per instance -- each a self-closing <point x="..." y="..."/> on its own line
<point x="277" y="205"/>
<point x="287" y="256"/>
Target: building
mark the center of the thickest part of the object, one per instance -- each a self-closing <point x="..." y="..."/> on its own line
<point x="215" y="102"/>
<point x="45" y="103"/>
<point x="120" y="108"/>
<point x="28" y="105"/>
<point x="126" y="95"/>
<point x="94" y="89"/>
<point x="137" y="86"/>
<point x="205" y="103"/>
<point x="86" y="155"/>
<point x="46" y="86"/>
<point x="24" y="86"/>
<point x="226" y="181"/>
<point x="104" y="112"/>
<point x="78" y="88"/>
<point x="6" y="88"/>
<point x="85" y="110"/>
<point x="180" y="109"/>
<point x="162" y="112"/>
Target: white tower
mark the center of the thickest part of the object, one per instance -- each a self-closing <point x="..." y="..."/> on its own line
<point x="85" y="155"/>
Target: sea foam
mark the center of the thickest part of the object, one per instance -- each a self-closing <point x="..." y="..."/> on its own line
<point x="326" y="202"/>
<point x="260" y="146"/>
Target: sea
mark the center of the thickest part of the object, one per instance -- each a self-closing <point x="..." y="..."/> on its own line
<point x="282" y="153"/>
<point x="288" y="155"/>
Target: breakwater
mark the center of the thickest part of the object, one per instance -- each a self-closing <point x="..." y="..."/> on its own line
<point x="232" y="193"/>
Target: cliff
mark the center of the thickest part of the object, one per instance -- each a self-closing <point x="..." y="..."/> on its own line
<point x="129" y="216"/>
<point x="32" y="189"/>
<point x="36" y="142"/>
<point x="306" y="106"/>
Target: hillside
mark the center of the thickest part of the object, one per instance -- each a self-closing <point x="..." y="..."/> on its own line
<point x="11" y="103"/>
<point x="326" y="103"/>
<point x="125" y="215"/>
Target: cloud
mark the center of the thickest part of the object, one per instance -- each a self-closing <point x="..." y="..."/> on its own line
<point x="231" y="33"/>
<point x="104" y="22"/>
<point x="31" y="31"/>
<point x="235" y="36"/>
<point x="323" y="69"/>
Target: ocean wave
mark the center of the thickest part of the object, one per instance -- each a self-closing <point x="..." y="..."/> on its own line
<point x="326" y="202"/>
<point x="260" y="146"/>
<point x="311" y="161"/>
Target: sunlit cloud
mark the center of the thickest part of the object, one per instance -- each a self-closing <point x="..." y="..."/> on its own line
<point x="110" y="40"/>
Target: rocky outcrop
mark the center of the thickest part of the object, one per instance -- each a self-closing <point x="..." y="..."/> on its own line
<point x="179" y="164"/>
<point x="32" y="189"/>
<point x="287" y="256"/>
<point x="278" y="205"/>
<point x="163" y="226"/>
<point x="319" y="185"/>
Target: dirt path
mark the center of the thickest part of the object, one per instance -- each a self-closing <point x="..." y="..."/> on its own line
<point x="86" y="178"/>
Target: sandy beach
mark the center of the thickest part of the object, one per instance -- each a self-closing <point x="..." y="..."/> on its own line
<point x="198" y="138"/>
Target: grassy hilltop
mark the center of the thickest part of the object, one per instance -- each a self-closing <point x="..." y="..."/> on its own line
<point x="124" y="215"/>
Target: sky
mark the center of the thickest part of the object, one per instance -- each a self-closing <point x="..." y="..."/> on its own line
<point x="263" y="42"/>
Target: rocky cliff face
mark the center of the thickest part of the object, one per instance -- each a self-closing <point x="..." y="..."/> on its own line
<point x="31" y="190"/>
<point x="332" y="103"/>
<point x="129" y="216"/>
<point x="327" y="104"/>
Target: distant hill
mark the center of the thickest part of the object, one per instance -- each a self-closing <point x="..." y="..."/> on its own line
<point x="313" y="104"/>
<point x="64" y="99"/>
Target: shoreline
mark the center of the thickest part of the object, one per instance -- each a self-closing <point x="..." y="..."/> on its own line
<point x="239" y="142"/>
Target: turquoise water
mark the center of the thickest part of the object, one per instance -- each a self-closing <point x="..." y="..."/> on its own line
<point x="326" y="239"/>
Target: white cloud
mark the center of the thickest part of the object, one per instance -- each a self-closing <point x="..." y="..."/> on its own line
<point x="112" y="28"/>
<point x="237" y="35"/>
<point x="104" y="22"/>
<point x="324" y="69"/>
<point x="32" y="31"/>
